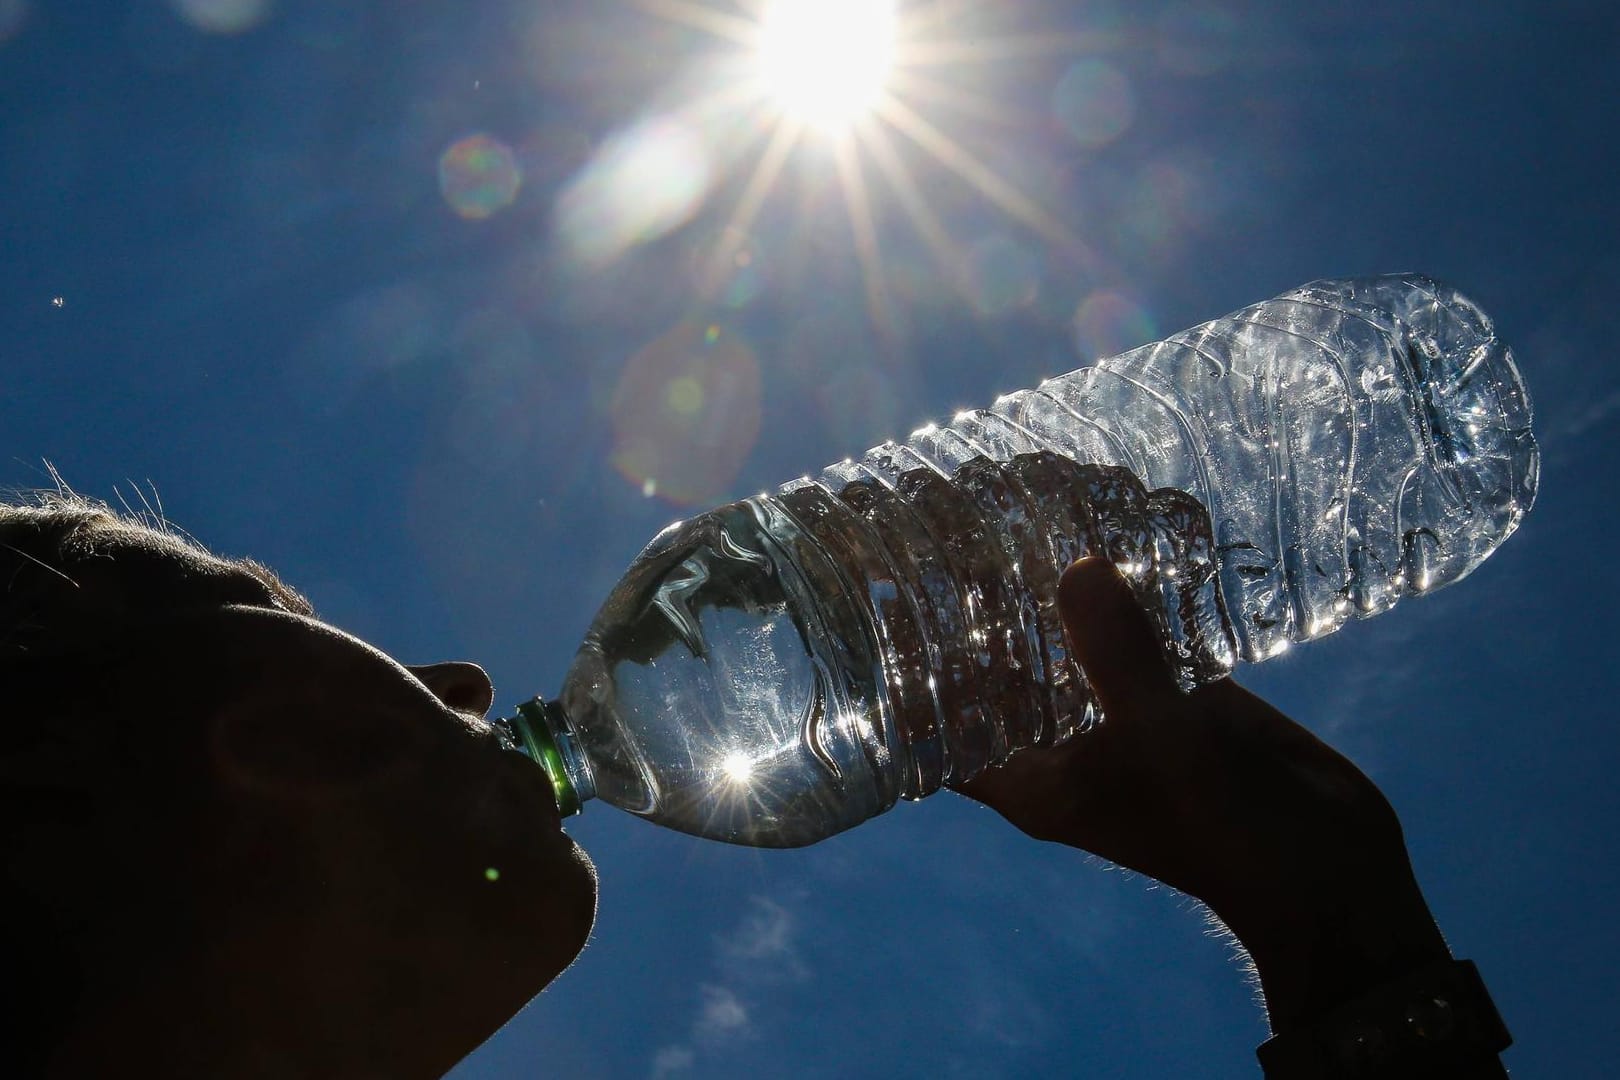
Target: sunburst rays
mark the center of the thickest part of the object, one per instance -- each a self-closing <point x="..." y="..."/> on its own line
<point x="923" y="55"/>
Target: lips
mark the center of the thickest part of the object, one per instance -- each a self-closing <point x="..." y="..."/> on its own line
<point x="517" y="796"/>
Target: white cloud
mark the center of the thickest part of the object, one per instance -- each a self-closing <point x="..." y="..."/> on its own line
<point x="1594" y="414"/>
<point x="761" y="950"/>
<point x="721" y="1016"/>
<point x="672" y="1059"/>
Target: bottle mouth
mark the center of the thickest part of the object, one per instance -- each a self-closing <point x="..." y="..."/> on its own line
<point x="541" y="732"/>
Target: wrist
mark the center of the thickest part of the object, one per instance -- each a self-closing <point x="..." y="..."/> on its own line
<point x="1331" y="948"/>
<point x="1437" y="1020"/>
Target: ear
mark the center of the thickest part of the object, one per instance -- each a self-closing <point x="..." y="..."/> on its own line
<point x="462" y="686"/>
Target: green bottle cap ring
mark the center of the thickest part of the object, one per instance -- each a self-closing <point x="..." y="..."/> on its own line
<point x="537" y="741"/>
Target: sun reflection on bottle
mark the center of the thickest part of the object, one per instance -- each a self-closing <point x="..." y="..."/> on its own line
<point x="737" y="767"/>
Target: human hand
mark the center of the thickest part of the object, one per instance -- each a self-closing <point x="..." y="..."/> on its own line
<point x="1219" y="795"/>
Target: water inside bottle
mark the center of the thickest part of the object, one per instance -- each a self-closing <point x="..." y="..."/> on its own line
<point x="717" y="693"/>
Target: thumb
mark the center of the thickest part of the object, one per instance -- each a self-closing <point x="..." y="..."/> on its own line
<point x="1113" y="638"/>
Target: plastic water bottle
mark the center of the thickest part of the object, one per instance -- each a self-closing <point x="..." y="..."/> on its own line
<point x="782" y="668"/>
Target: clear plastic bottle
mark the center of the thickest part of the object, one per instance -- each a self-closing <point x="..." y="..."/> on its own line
<point x="782" y="668"/>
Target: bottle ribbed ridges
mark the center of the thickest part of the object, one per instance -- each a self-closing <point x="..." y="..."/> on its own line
<point x="955" y="555"/>
<point x="1260" y="479"/>
<point x="1352" y="441"/>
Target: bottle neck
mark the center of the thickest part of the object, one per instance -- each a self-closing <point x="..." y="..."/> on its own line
<point x="541" y="731"/>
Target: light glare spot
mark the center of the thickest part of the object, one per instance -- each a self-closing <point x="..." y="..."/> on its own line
<point x="737" y="767"/>
<point x="826" y="62"/>
<point x="640" y="184"/>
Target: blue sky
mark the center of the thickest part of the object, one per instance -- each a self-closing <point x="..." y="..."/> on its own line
<point x="373" y="292"/>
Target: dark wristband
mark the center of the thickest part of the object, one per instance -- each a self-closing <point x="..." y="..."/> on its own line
<point x="1436" y="1021"/>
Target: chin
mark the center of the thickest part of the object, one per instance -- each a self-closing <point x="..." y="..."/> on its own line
<point x="575" y="901"/>
<point x="543" y="909"/>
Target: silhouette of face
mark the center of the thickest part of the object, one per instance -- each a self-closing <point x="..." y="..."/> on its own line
<point x="277" y="845"/>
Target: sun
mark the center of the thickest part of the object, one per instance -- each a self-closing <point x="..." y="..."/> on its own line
<point x="878" y="89"/>
<point x="826" y="63"/>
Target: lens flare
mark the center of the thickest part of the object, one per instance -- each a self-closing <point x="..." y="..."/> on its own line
<point x="826" y="62"/>
<point x="479" y="176"/>
<point x="686" y="413"/>
<point x="1094" y="101"/>
<point x="1108" y="322"/>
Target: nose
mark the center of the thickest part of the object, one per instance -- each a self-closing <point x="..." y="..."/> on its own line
<point x="462" y="686"/>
